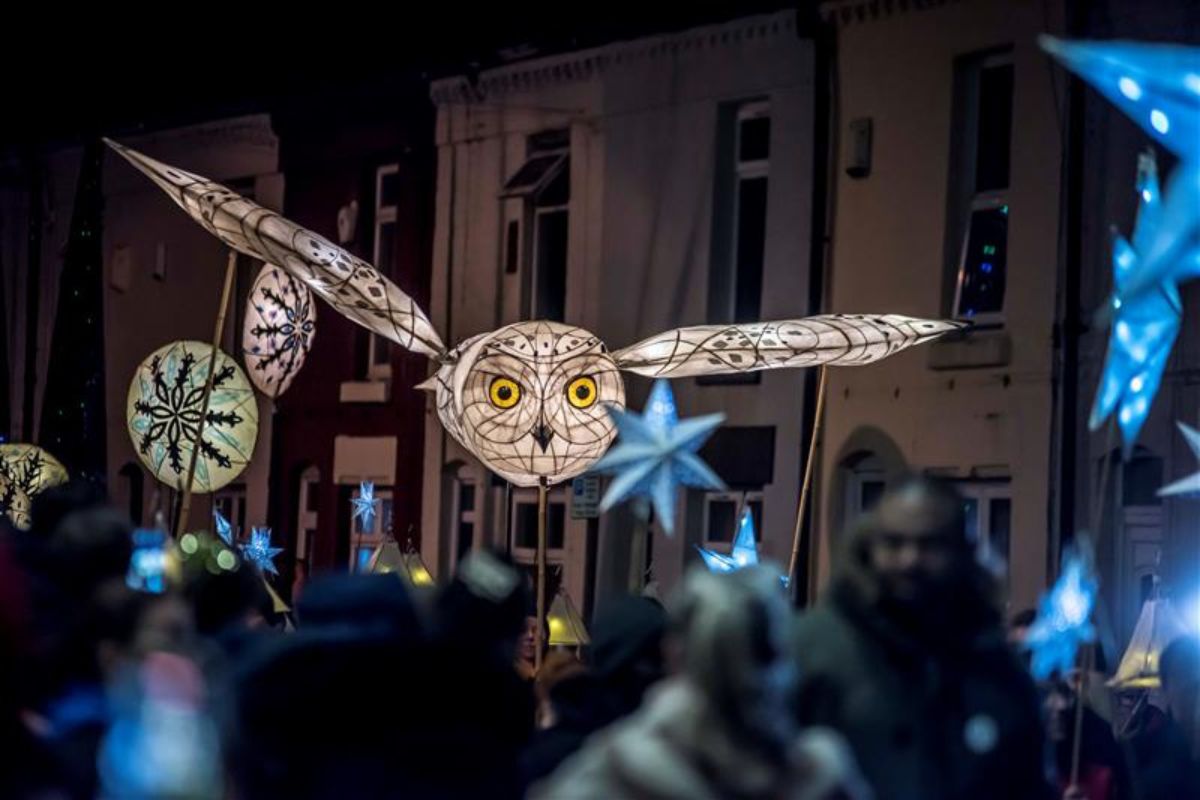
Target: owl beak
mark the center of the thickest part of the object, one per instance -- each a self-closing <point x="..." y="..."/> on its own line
<point x="542" y="435"/>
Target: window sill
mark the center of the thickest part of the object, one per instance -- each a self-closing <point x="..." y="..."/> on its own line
<point x="981" y="347"/>
<point x="365" y="392"/>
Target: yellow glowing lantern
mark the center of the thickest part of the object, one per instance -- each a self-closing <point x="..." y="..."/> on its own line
<point x="31" y="468"/>
<point x="566" y="625"/>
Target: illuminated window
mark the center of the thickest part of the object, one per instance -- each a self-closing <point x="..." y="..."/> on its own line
<point x="977" y="227"/>
<point x="387" y="188"/>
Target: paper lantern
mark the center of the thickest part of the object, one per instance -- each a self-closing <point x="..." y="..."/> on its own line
<point x="14" y="503"/>
<point x="529" y="399"/>
<point x="566" y="626"/>
<point x="1157" y="626"/>
<point x="166" y="397"/>
<point x="30" y="467"/>
<point x="280" y="323"/>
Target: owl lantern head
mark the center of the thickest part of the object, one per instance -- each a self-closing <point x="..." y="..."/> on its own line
<point x="528" y="399"/>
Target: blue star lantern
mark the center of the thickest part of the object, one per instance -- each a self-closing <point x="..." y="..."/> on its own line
<point x="364" y="505"/>
<point x="655" y="453"/>
<point x="224" y="529"/>
<point x="259" y="551"/>
<point x="1158" y="87"/>
<point x="744" y="552"/>
<point x="1144" y="326"/>
<point x="1189" y="486"/>
<point x="1063" y="621"/>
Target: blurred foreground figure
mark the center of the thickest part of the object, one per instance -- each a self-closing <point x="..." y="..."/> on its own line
<point x="1166" y="746"/>
<point x="721" y="727"/>
<point x="906" y="656"/>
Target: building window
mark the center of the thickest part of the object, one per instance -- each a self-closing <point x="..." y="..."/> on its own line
<point x="537" y="198"/>
<point x="740" y="213"/>
<point x="231" y="503"/>
<point x="364" y="539"/>
<point x="1141" y="478"/>
<point x="306" y="516"/>
<point x="387" y="188"/>
<point x="466" y="515"/>
<point x="987" y="507"/>
<point x="723" y="510"/>
<point x="865" y="483"/>
<point x="979" y="175"/>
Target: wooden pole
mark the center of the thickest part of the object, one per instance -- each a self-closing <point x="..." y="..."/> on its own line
<point x="805" y="487"/>
<point x="218" y="330"/>
<point x="541" y="575"/>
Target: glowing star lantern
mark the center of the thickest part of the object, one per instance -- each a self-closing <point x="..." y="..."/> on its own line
<point x="1158" y="87"/>
<point x="31" y="468"/>
<point x="1190" y="485"/>
<point x="281" y="320"/>
<point x="744" y="552"/>
<point x="14" y="503"/>
<point x="656" y="454"/>
<point x="224" y="529"/>
<point x="364" y="505"/>
<point x="1063" y="621"/>
<point x="1144" y="326"/>
<point x="165" y="401"/>
<point x="530" y="399"/>
<point x="258" y="550"/>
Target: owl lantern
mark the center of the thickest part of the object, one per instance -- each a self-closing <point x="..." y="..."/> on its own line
<point x="528" y="399"/>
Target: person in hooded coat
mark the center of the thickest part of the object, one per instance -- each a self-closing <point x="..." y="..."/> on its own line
<point x="907" y="657"/>
<point x="721" y="728"/>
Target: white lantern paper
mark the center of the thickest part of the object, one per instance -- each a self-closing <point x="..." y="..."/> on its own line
<point x="280" y="323"/>
<point x="30" y="467"/>
<point x="163" y="413"/>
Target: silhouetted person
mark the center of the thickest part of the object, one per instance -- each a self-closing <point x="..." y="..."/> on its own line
<point x="1165" y="745"/>
<point x="626" y="659"/>
<point x="906" y="656"/>
<point x="1103" y="772"/>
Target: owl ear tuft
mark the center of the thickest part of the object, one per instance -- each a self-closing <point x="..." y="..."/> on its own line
<point x="429" y="384"/>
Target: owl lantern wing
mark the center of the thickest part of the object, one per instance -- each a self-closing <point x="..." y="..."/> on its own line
<point x="833" y="339"/>
<point x="352" y="286"/>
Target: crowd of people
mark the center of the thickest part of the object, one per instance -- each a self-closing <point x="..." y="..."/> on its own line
<point x="902" y="683"/>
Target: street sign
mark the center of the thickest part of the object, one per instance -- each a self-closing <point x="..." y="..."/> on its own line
<point x="585" y="497"/>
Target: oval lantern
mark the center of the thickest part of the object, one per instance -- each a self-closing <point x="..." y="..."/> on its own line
<point x="30" y="467"/>
<point x="163" y="411"/>
<point x="14" y="503"/>
<point x="281" y="320"/>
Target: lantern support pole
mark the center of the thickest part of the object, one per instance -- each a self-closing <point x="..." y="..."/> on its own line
<point x="806" y="486"/>
<point x="541" y="574"/>
<point x="185" y="506"/>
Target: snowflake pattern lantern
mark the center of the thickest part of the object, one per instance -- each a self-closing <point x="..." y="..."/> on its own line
<point x="281" y="321"/>
<point x="163" y="412"/>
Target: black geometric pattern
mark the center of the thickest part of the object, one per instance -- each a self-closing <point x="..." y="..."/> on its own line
<point x="349" y="284"/>
<point x="165" y="404"/>
<point x="30" y="468"/>
<point x="280" y="324"/>
<point x="829" y="339"/>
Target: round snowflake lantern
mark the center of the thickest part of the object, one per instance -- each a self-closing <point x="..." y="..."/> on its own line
<point x="280" y="323"/>
<point x="166" y="400"/>
<point x="31" y="468"/>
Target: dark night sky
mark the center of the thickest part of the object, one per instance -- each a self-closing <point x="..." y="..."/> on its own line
<point x="68" y="78"/>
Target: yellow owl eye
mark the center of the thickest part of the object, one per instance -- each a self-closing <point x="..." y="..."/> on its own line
<point x="581" y="393"/>
<point x="504" y="393"/>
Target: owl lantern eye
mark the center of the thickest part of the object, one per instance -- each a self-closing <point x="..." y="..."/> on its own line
<point x="581" y="392"/>
<point x="504" y="393"/>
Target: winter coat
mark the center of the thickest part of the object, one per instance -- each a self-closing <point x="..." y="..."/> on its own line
<point x="942" y="715"/>
<point x="677" y="747"/>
